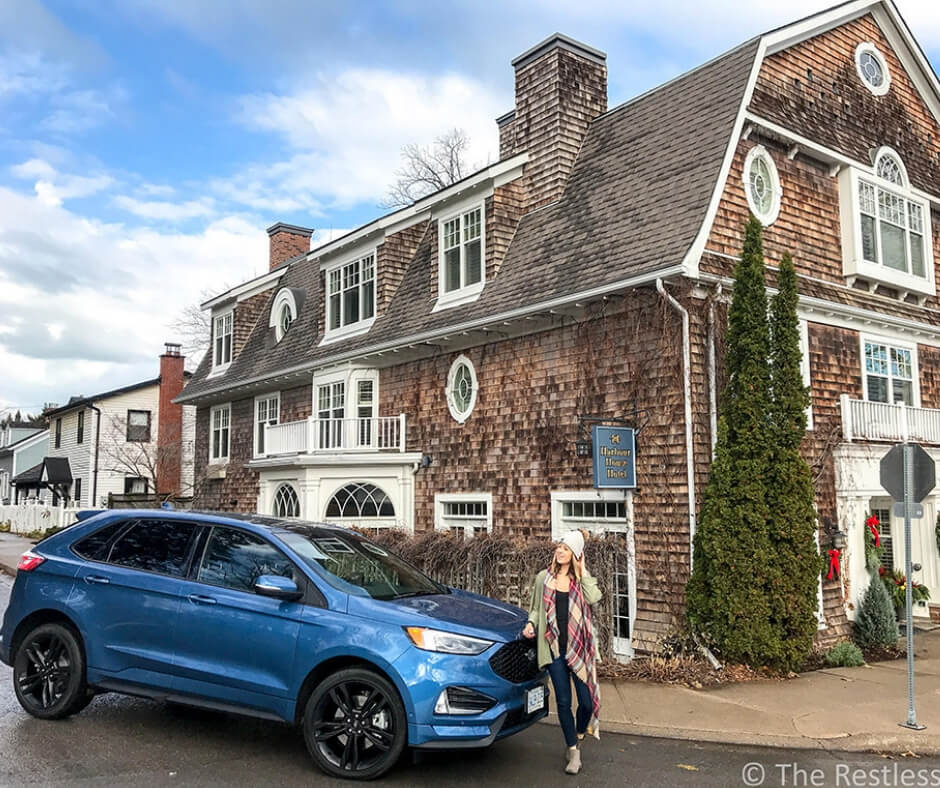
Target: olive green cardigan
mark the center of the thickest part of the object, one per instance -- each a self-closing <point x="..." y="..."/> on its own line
<point x="591" y="593"/>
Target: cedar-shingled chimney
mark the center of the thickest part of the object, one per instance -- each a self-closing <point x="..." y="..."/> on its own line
<point x="287" y="241"/>
<point x="170" y="424"/>
<point x="561" y="86"/>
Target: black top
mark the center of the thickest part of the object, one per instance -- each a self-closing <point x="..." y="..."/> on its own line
<point x="561" y="618"/>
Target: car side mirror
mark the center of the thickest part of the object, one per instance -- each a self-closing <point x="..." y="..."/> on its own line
<point x="277" y="587"/>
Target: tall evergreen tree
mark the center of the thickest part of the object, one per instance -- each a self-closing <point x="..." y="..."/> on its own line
<point x="727" y="595"/>
<point x="794" y="560"/>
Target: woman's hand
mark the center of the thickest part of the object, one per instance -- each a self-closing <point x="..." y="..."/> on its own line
<point x="529" y="630"/>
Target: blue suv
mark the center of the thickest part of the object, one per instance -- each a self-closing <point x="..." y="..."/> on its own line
<point x="305" y="623"/>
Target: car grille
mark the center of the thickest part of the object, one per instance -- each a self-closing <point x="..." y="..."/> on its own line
<point x="516" y="661"/>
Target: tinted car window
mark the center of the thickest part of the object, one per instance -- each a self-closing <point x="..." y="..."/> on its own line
<point x="236" y="559"/>
<point x="95" y="547"/>
<point x="156" y="546"/>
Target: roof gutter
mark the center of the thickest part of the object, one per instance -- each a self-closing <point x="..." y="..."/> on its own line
<point x="639" y="280"/>
<point x="94" y="476"/>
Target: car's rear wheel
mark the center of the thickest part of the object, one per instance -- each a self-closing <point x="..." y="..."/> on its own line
<point x="49" y="672"/>
<point x="354" y="724"/>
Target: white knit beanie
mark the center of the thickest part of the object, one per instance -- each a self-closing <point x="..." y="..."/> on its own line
<point x="575" y="541"/>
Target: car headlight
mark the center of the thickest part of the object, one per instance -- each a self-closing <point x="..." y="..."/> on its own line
<point x="446" y="642"/>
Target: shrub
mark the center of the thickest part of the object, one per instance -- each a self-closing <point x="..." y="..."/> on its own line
<point x="844" y="655"/>
<point x="876" y="624"/>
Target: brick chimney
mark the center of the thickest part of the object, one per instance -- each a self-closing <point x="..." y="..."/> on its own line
<point x="287" y="241"/>
<point x="170" y="426"/>
<point x="561" y="86"/>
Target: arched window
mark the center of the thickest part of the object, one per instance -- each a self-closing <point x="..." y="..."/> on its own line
<point x="283" y="312"/>
<point x="360" y="500"/>
<point x="286" y="502"/>
<point x="889" y="167"/>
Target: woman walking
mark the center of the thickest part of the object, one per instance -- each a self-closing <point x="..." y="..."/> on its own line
<point x="560" y="619"/>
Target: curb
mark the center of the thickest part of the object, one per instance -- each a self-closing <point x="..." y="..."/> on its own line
<point x="870" y="743"/>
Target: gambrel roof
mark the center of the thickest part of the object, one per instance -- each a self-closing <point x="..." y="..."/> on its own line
<point x="637" y="205"/>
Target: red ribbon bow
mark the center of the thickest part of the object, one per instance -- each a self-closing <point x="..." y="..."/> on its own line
<point x="872" y="523"/>
<point x="833" y="564"/>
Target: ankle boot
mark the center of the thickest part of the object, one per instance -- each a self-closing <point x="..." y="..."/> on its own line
<point x="574" y="761"/>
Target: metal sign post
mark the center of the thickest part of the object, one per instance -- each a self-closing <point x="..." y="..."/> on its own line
<point x="908" y="473"/>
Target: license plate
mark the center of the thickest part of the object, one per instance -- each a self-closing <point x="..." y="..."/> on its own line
<point x="535" y="699"/>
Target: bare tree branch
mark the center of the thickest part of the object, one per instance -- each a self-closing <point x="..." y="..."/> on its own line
<point x="427" y="169"/>
<point x="193" y="327"/>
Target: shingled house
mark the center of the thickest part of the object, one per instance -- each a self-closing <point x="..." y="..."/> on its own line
<point x="430" y="369"/>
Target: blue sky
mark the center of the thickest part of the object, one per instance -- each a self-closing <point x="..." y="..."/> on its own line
<point x="146" y="144"/>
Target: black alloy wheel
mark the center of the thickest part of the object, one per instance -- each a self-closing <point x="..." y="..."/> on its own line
<point x="49" y="672"/>
<point x="354" y="725"/>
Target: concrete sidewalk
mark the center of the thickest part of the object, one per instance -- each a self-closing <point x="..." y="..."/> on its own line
<point x="854" y="709"/>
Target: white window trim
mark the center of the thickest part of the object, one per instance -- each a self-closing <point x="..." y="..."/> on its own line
<point x="868" y="46"/>
<point x="270" y="395"/>
<point x="360" y="326"/>
<point x="760" y="152"/>
<point x="221" y="460"/>
<point x="805" y="371"/>
<point x="300" y="501"/>
<point x="469" y="293"/>
<point x="459" y="417"/>
<point x="443" y="522"/>
<point x="623" y="647"/>
<point x="285" y="297"/>
<point x="915" y="364"/>
<point x="219" y="368"/>
<point x="854" y="264"/>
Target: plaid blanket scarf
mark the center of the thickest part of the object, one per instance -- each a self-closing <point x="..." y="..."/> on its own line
<point x="581" y="655"/>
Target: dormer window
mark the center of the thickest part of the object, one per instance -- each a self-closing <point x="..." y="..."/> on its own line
<point x="462" y="266"/>
<point x="283" y="312"/>
<point x="886" y="227"/>
<point x="222" y="340"/>
<point x="350" y="301"/>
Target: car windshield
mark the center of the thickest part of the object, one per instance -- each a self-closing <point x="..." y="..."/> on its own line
<point x="355" y="565"/>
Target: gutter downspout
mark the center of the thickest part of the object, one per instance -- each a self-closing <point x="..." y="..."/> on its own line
<point x="712" y="383"/>
<point x="94" y="477"/>
<point x="687" y="389"/>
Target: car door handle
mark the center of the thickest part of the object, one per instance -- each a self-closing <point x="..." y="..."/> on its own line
<point x="97" y="579"/>
<point x="199" y="599"/>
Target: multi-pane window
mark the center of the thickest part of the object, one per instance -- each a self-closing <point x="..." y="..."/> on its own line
<point x="365" y="411"/>
<point x="222" y="344"/>
<point x="138" y="426"/>
<point x="220" y="423"/>
<point x="286" y="502"/>
<point x="80" y="432"/>
<point x="594" y="510"/>
<point x="464" y="514"/>
<point x="286" y="318"/>
<point x="331" y="410"/>
<point x="267" y="411"/>
<point x="462" y="251"/>
<point x="762" y="185"/>
<point x="360" y="500"/>
<point x="893" y="227"/>
<point x="889" y="373"/>
<point x="461" y="389"/>
<point x="351" y="293"/>
<point x="884" y="532"/>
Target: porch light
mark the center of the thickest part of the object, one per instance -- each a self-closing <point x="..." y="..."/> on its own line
<point x="838" y="540"/>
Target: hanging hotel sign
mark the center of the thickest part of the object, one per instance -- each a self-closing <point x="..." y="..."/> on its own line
<point x="614" y="456"/>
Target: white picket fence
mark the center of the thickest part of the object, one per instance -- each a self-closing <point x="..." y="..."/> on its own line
<point x="26" y="518"/>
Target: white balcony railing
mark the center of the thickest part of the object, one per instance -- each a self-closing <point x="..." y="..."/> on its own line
<point x="879" y="421"/>
<point x="386" y="433"/>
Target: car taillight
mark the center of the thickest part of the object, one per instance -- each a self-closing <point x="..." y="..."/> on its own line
<point x="28" y="562"/>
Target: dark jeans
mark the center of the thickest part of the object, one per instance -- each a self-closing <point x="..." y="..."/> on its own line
<point x="561" y="680"/>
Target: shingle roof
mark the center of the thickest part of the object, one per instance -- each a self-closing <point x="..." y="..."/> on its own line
<point x="80" y="401"/>
<point x="634" y="203"/>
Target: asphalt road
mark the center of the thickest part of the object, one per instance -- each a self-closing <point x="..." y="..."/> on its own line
<point x="120" y="741"/>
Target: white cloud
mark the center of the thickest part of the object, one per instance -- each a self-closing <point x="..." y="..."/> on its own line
<point x="107" y="292"/>
<point x="346" y="133"/>
<point x="167" y="211"/>
<point x="53" y="187"/>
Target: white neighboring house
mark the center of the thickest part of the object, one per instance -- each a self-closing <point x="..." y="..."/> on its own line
<point x="129" y="440"/>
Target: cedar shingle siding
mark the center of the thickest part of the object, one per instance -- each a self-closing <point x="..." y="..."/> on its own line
<point x="564" y="326"/>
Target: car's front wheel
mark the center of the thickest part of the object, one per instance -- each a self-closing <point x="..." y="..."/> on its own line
<point x="49" y="672"/>
<point x="354" y="724"/>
